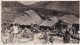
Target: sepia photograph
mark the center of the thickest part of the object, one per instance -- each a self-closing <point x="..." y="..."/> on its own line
<point x="40" y="22"/>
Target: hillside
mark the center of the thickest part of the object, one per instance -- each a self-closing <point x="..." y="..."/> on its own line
<point x="64" y="6"/>
<point x="13" y="9"/>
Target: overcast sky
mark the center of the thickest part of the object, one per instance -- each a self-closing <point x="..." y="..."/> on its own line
<point x="28" y="2"/>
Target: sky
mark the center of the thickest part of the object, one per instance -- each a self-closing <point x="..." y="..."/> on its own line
<point x="28" y="2"/>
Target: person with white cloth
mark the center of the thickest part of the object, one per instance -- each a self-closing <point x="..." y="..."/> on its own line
<point x="15" y="31"/>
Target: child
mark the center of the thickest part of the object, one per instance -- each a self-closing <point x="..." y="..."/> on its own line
<point x="51" y="39"/>
<point x="7" y="36"/>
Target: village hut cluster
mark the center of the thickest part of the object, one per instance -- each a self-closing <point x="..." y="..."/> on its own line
<point x="30" y="28"/>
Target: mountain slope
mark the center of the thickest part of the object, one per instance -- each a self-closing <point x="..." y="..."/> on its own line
<point x="11" y="10"/>
<point x="45" y="9"/>
<point x="67" y="6"/>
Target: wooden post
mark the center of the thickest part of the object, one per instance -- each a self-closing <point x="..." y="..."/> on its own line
<point x="62" y="26"/>
<point x="54" y="27"/>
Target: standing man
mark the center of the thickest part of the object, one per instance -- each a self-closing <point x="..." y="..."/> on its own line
<point x="11" y="34"/>
<point x="66" y="37"/>
<point x="15" y="31"/>
<point x="45" y="36"/>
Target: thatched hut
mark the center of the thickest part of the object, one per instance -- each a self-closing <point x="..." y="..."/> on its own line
<point x="28" y="18"/>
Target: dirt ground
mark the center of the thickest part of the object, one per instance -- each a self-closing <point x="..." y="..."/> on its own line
<point x="35" y="40"/>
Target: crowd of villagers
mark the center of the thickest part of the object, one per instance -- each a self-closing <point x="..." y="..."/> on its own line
<point x="10" y="31"/>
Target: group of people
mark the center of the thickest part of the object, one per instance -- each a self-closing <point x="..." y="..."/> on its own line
<point x="70" y="33"/>
<point x="11" y="31"/>
<point x="8" y="32"/>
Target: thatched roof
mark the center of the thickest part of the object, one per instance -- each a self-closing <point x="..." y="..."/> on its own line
<point x="71" y="19"/>
<point x="30" y="17"/>
<point x="33" y="15"/>
<point x="50" y="22"/>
